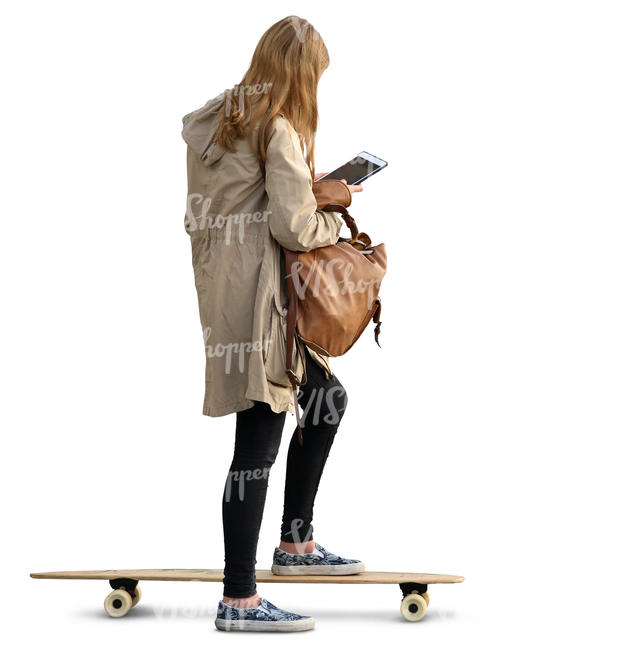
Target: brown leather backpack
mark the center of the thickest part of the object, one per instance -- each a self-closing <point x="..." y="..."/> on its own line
<point x="332" y="291"/>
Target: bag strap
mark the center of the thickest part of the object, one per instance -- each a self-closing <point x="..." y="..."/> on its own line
<point x="348" y="219"/>
<point x="376" y="319"/>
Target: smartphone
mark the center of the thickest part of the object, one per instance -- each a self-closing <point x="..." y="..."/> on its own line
<point x="360" y="168"/>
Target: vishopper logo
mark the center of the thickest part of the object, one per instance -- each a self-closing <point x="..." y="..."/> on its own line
<point x="301" y="27"/>
<point x="237" y="348"/>
<point x="238" y="478"/>
<point x="294" y="532"/>
<point x="190" y="612"/>
<point x="240" y="90"/>
<point x="320" y="280"/>
<point x="237" y="603"/>
<point x="360" y="161"/>
<point x="321" y="407"/>
<point x="207" y="219"/>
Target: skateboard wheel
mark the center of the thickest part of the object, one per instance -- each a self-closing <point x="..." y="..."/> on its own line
<point x="118" y="603"/>
<point x="137" y="596"/>
<point x="413" y="607"/>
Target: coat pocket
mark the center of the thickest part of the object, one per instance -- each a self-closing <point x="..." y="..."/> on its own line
<point x="274" y="357"/>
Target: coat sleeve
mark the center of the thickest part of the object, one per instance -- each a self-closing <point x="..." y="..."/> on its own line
<point x="293" y="217"/>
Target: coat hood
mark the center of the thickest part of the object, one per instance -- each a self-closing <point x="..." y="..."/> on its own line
<point x="199" y="130"/>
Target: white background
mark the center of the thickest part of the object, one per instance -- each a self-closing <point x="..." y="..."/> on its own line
<point x="482" y="439"/>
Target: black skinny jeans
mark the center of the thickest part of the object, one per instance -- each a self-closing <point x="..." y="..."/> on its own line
<point x="257" y="438"/>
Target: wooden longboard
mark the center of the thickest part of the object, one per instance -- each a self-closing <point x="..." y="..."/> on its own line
<point x="216" y="575"/>
<point x="126" y="592"/>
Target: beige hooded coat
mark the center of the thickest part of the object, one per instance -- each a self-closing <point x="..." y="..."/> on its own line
<point x="236" y="219"/>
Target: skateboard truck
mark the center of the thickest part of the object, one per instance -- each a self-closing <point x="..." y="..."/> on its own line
<point x="124" y="583"/>
<point x="409" y="587"/>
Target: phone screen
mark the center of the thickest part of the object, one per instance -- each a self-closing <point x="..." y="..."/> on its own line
<point x="356" y="171"/>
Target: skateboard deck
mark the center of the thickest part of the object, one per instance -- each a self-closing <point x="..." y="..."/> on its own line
<point x="126" y="592"/>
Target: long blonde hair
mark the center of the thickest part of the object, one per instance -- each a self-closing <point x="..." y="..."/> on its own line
<point x="281" y="79"/>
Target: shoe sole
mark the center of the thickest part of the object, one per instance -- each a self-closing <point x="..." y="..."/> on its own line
<point x="318" y="569"/>
<point x="233" y="625"/>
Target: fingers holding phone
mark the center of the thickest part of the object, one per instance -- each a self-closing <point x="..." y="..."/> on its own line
<point x="354" y="172"/>
<point x="352" y="188"/>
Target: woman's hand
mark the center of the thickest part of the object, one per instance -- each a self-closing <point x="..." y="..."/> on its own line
<point x="352" y="188"/>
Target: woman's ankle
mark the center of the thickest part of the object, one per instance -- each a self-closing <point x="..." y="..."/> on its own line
<point x="242" y="603"/>
<point x="299" y="548"/>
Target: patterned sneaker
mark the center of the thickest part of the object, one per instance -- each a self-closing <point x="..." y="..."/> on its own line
<point x="318" y="563"/>
<point x="266" y="617"/>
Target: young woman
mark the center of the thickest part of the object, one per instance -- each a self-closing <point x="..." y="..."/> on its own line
<point x="250" y="175"/>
